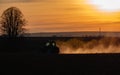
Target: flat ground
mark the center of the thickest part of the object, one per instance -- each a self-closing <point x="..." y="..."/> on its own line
<point x="17" y="57"/>
<point x="85" y="64"/>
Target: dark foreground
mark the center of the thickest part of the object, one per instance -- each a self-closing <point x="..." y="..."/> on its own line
<point x="84" y="64"/>
<point x="17" y="56"/>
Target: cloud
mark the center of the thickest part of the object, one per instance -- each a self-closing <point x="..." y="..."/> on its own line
<point x="13" y="1"/>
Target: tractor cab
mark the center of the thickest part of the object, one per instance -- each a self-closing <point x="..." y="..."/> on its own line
<point x="50" y="44"/>
<point x="49" y="48"/>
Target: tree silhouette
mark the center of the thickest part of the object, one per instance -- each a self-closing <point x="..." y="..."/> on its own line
<point x="12" y="22"/>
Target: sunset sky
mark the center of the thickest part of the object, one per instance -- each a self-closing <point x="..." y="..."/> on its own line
<point x="67" y="15"/>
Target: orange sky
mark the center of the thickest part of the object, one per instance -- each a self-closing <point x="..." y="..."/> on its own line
<point x="65" y="15"/>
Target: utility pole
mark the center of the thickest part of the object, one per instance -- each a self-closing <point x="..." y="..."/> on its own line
<point x="100" y="32"/>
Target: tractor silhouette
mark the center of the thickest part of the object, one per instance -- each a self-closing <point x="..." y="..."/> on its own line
<point x="50" y="48"/>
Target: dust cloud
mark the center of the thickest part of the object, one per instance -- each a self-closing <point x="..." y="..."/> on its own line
<point x="80" y="46"/>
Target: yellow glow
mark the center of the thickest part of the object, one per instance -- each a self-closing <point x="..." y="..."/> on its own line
<point x="106" y="5"/>
<point x="68" y="15"/>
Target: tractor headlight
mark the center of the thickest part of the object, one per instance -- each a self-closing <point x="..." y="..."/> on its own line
<point x="47" y="44"/>
<point x="53" y="44"/>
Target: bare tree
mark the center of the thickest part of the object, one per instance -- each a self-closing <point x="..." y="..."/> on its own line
<point x="12" y="22"/>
